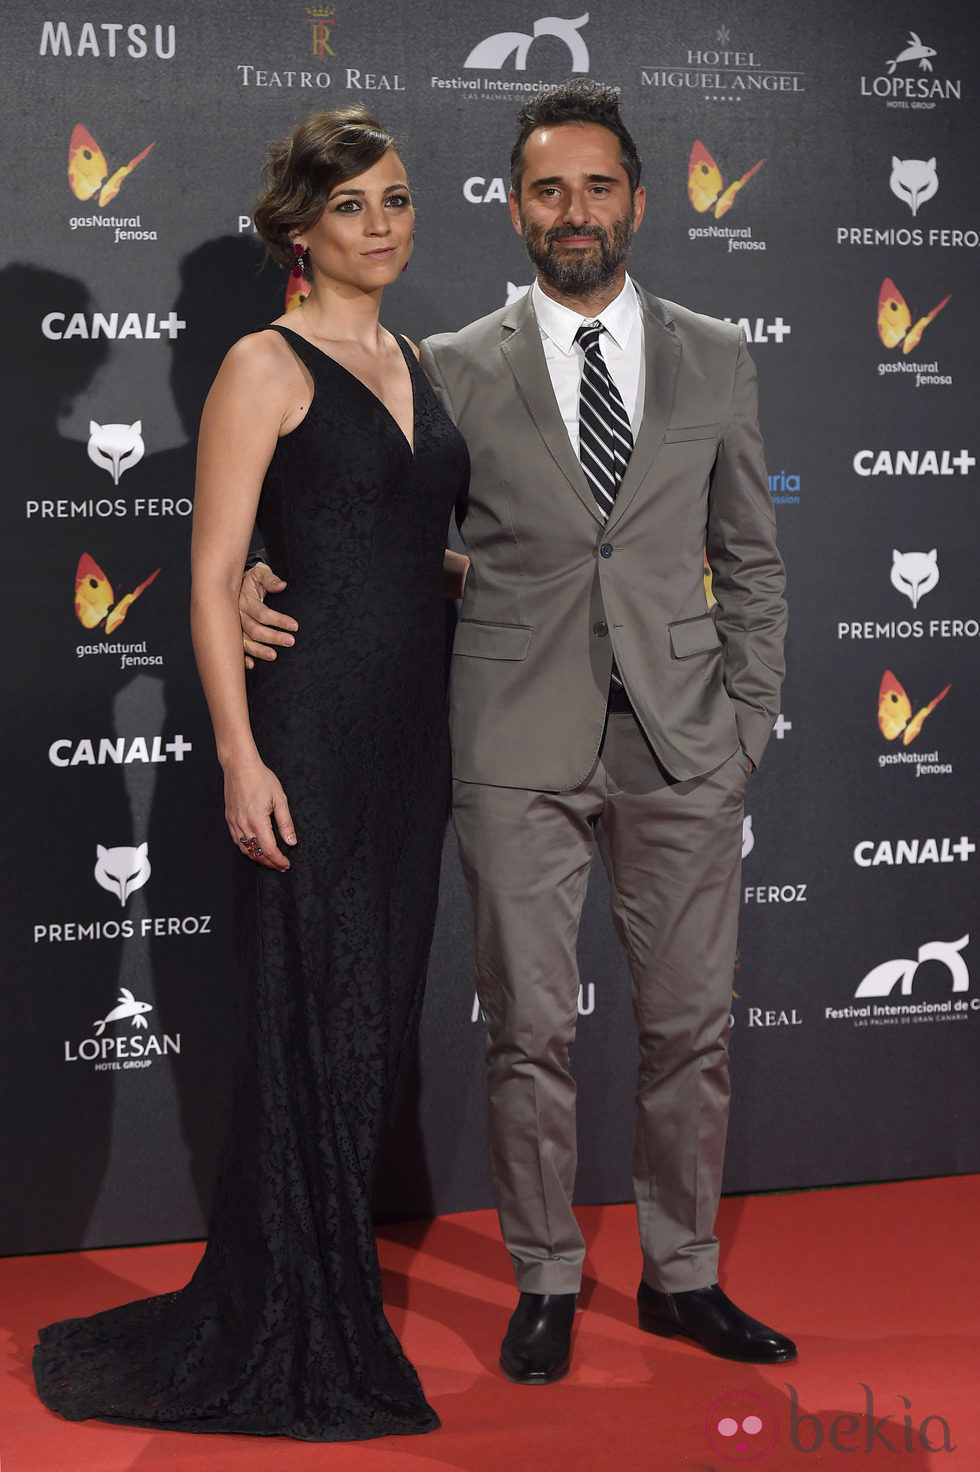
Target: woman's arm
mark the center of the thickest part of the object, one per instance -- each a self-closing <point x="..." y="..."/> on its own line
<point x="255" y="388"/>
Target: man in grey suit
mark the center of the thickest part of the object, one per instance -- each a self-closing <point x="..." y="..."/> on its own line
<point x="595" y="699"/>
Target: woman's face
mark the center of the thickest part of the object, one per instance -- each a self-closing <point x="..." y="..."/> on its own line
<point x="364" y="236"/>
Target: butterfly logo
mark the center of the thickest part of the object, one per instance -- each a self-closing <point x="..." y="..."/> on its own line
<point x="704" y="182"/>
<point x="88" y="171"/>
<point x="895" y="716"/>
<point x="895" y="319"/>
<point x="708" y="591"/>
<point x="94" y="596"/>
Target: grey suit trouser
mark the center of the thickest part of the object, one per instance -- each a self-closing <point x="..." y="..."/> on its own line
<point x="672" y="851"/>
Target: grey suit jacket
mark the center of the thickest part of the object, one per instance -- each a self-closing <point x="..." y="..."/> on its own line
<point x="553" y="592"/>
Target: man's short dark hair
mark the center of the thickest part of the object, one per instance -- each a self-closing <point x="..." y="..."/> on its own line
<point x="578" y="101"/>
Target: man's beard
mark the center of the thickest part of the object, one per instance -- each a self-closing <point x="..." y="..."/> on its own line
<point x="579" y="272"/>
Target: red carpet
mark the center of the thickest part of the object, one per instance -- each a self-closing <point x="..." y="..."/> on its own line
<point x="877" y="1284"/>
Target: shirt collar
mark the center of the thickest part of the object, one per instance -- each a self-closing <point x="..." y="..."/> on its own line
<point x="561" y="323"/>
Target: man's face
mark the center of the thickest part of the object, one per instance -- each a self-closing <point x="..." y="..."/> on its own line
<point x="575" y="212"/>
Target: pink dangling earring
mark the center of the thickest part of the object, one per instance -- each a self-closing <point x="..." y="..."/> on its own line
<point x="299" y="252"/>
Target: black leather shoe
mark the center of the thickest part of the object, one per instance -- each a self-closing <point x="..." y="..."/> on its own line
<point x="535" y="1347"/>
<point x="709" y="1317"/>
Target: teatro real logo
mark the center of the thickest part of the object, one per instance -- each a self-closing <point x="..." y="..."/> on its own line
<point x="492" y="53"/>
<point x="311" y="74"/>
<point x="908" y="79"/>
<point x="321" y="20"/>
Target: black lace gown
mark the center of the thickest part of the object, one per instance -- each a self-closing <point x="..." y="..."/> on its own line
<point x="281" y="1331"/>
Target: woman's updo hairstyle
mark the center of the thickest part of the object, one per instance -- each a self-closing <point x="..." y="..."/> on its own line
<point x="302" y="172"/>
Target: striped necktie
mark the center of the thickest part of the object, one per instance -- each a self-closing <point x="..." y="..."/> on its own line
<point x="605" y="438"/>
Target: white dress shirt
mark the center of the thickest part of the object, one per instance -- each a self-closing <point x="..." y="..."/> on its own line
<point x="621" y="346"/>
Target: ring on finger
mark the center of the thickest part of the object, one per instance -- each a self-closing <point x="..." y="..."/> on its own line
<point x="251" y="846"/>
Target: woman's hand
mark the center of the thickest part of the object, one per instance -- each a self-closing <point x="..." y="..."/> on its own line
<point x="253" y="797"/>
<point x="454" y="569"/>
<point x="262" y="626"/>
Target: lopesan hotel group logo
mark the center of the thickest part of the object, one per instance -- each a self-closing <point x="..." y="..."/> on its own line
<point x="510" y="65"/>
<point x="725" y="69"/>
<point x="912" y="76"/>
<point x="124" y="1038"/>
<point x="310" y="66"/>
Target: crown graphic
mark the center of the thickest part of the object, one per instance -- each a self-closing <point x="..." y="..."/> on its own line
<point x="321" y="12"/>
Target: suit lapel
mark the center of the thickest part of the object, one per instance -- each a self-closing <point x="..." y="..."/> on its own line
<point x="522" y="349"/>
<point x="662" y="361"/>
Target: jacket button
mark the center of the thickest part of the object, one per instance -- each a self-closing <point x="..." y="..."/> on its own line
<point x="600" y="629"/>
<point x="606" y="550"/>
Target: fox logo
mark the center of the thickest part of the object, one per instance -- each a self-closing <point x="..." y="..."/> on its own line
<point x="494" y="51"/>
<point x="122" y="870"/>
<point x="914" y="180"/>
<point x="115" y="447"/>
<point x="882" y="980"/>
<point x="914" y="574"/>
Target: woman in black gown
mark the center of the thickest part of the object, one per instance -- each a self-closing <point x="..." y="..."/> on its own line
<point x="325" y="429"/>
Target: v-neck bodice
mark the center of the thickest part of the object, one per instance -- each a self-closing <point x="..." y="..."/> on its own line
<point x="310" y="354"/>
<point x="353" y="518"/>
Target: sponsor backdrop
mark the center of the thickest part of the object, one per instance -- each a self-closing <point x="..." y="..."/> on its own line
<point x="811" y="176"/>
